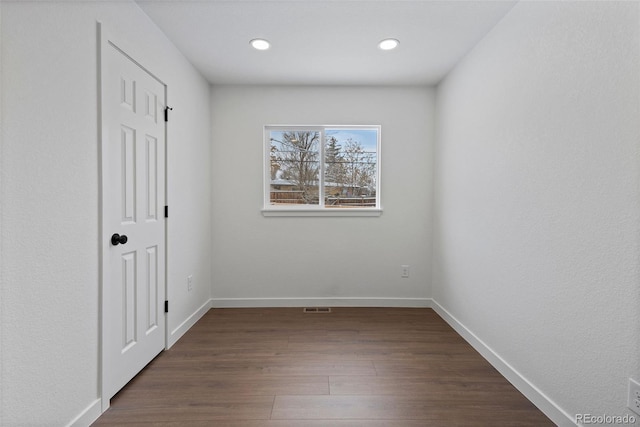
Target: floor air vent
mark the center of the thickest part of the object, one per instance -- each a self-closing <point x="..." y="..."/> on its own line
<point x="316" y="310"/>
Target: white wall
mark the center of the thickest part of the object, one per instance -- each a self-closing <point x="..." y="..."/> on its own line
<point x="537" y="213"/>
<point x="535" y="230"/>
<point x="294" y="261"/>
<point x="49" y="209"/>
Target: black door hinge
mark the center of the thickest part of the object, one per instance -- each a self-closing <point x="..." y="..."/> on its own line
<point x="166" y="306"/>
<point x="166" y="211"/>
<point x="166" y="113"/>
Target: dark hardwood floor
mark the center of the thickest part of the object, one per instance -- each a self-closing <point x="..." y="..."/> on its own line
<point x="368" y="367"/>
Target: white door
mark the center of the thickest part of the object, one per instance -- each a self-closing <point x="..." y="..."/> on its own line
<point x="133" y="228"/>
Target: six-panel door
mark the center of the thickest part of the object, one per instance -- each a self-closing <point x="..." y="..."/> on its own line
<point x="133" y="187"/>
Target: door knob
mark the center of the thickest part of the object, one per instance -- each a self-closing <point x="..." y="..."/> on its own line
<point x="117" y="239"/>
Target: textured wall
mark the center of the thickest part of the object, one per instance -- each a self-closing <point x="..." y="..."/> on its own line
<point x="49" y="210"/>
<point x="258" y="257"/>
<point x="537" y="203"/>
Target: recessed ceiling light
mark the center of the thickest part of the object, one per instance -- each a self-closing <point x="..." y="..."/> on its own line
<point x="388" y="44"/>
<point x="260" y="44"/>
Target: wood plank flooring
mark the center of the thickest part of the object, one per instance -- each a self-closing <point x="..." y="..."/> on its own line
<point x="353" y="367"/>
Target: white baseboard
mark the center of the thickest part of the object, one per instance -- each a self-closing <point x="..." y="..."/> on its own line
<point x="88" y="416"/>
<point x="534" y="394"/>
<point x="178" y="332"/>
<point x="320" y="302"/>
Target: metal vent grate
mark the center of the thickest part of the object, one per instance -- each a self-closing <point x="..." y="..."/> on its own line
<point x="316" y="310"/>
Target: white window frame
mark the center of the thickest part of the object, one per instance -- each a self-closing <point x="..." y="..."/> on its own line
<point x="316" y="210"/>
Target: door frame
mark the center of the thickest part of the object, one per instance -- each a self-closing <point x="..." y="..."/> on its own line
<point x="106" y="40"/>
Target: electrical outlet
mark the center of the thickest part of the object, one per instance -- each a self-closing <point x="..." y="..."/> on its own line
<point x="634" y="396"/>
<point x="190" y="282"/>
<point x="405" y="271"/>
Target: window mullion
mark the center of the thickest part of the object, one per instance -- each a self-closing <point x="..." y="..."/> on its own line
<point x="321" y="172"/>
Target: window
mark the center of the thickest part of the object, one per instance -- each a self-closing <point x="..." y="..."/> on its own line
<point x="322" y="170"/>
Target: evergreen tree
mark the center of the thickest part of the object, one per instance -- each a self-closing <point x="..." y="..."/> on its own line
<point x="333" y="163"/>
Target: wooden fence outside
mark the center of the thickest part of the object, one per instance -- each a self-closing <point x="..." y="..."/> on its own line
<point x="295" y="197"/>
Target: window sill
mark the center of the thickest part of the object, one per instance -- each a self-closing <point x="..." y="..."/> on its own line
<point x="355" y="212"/>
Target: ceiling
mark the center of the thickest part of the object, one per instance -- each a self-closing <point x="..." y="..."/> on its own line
<point x="325" y="42"/>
